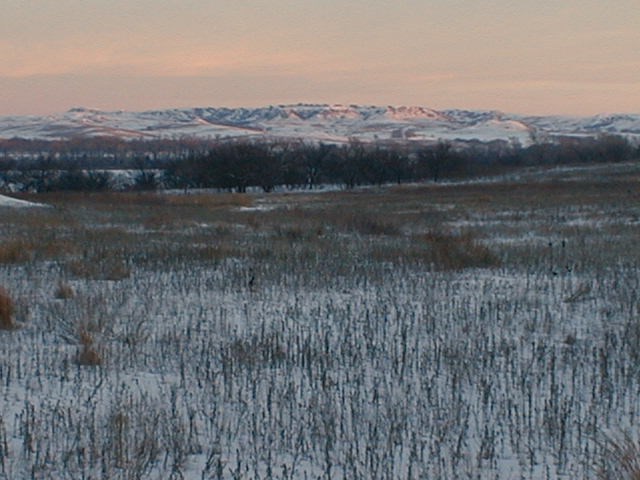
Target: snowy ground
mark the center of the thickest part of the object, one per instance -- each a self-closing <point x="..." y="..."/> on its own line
<point x="485" y="330"/>
<point x="14" y="202"/>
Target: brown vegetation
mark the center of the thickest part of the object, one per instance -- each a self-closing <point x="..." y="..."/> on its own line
<point x="621" y="460"/>
<point x="457" y="251"/>
<point x="15" y="251"/>
<point x="7" y="310"/>
<point x="64" y="291"/>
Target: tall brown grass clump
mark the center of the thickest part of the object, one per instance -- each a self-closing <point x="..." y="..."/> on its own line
<point x="450" y="251"/>
<point x="89" y="355"/>
<point x="64" y="291"/>
<point x="7" y="309"/>
<point x="15" y="251"/>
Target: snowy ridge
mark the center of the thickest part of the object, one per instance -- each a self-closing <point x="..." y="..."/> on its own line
<point x="337" y="123"/>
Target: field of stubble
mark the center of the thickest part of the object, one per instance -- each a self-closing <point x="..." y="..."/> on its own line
<point x="466" y="330"/>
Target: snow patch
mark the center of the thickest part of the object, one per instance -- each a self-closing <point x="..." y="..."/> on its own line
<point x="14" y="202"/>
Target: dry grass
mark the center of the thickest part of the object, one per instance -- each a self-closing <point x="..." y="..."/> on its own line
<point x="458" y="251"/>
<point x="143" y="199"/>
<point x="213" y="253"/>
<point x="16" y="251"/>
<point x="438" y="250"/>
<point x="85" y="322"/>
<point x="7" y="310"/>
<point x="113" y="269"/>
<point x="621" y="460"/>
<point x="89" y="355"/>
<point x="38" y="245"/>
<point x="64" y="291"/>
<point x="109" y="235"/>
<point x="298" y="233"/>
<point x="345" y="281"/>
<point x="367" y="224"/>
<point x="210" y="200"/>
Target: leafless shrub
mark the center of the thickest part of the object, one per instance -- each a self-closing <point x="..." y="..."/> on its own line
<point x="80" y="326"/>
<point x="580" y="293"/>
<point x="85" y="322"/>
<point x="133" y="438"/>
<point x="134" y="333"/>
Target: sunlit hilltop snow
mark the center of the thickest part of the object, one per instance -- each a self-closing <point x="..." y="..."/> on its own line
<point x="332" y="123"/>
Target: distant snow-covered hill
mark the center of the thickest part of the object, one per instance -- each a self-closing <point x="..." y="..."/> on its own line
<point x="328" y="123"/>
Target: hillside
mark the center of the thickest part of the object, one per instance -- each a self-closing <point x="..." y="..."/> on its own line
<point x="327" y="123"/>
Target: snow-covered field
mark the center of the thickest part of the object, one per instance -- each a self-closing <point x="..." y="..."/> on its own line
<point x="478" y="330"/>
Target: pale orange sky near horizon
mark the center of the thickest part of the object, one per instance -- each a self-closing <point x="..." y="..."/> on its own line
<point x="542" y="57"/>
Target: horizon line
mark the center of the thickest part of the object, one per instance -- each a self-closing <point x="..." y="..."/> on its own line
<point x="80" y="108"/>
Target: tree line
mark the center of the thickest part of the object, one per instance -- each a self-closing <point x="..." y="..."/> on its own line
<point x="240" y="165"/>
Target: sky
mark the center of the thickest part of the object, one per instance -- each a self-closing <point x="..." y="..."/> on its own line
<point x="519" y="56"/>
